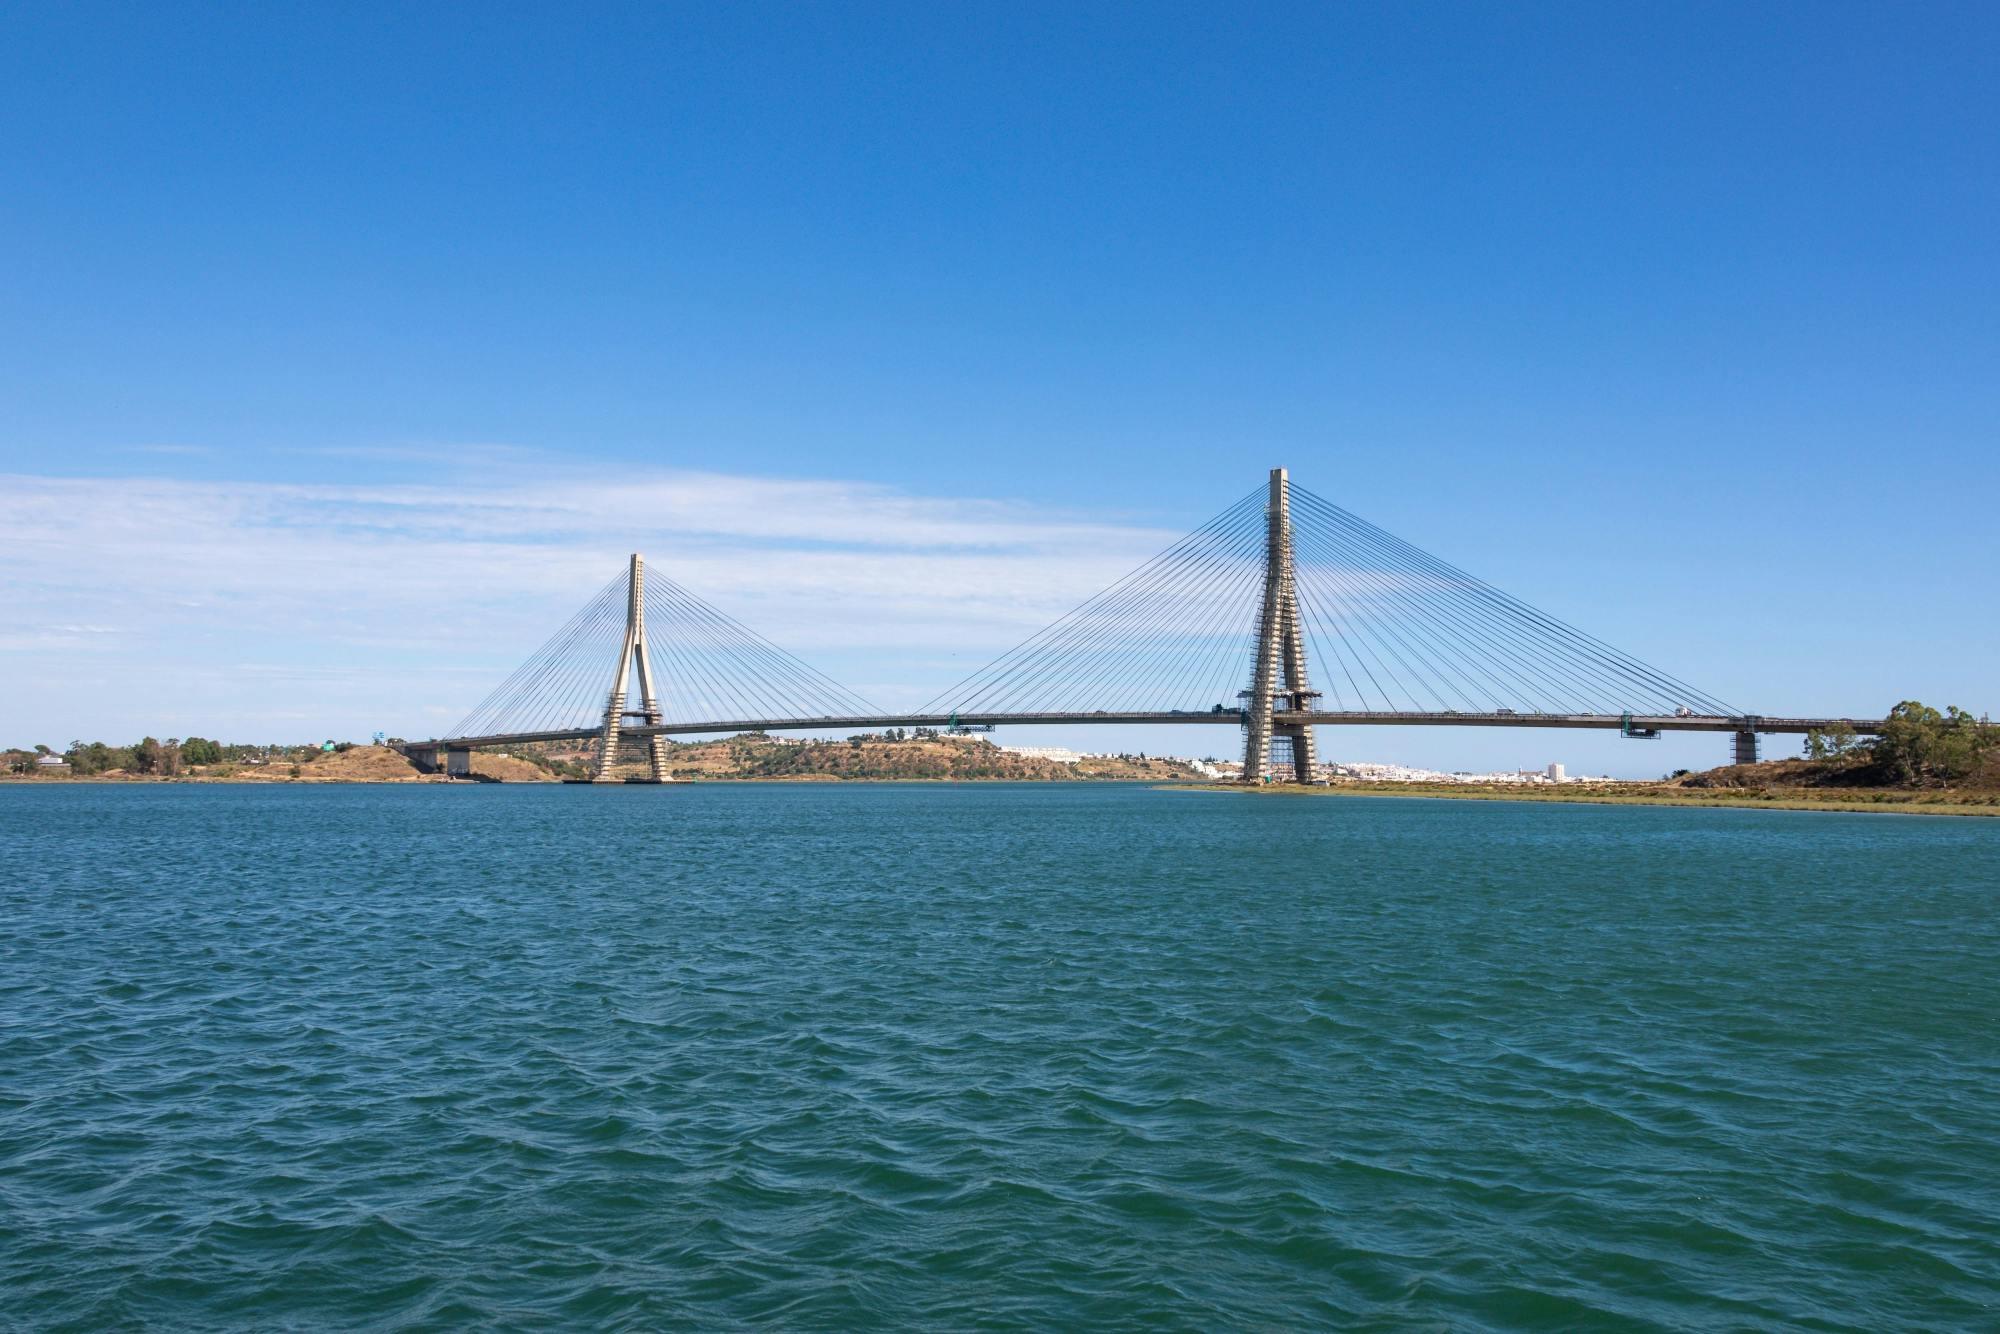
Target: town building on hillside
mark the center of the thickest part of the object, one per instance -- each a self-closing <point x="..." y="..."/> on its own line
<point x="1059" y="754"/>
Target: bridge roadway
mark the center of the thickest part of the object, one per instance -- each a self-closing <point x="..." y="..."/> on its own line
<point x="1744" y="723"/>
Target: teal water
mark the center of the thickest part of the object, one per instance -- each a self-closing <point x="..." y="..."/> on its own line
<point x="948" y="1057"/>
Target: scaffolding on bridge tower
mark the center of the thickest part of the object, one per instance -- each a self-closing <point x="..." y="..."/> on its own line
<point x="632" y="659"/>
<point x="1279" y="673"/>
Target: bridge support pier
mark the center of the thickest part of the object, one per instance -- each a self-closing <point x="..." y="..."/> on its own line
<point x="1279" y="675"/>
<point x="458" y="763"/>
<point x="632" y="653"/>
<point x="1745" y="751"/>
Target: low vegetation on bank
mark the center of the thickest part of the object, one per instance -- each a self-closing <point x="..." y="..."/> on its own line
<point x="917" y="754"/>
<point x="896" y="755"/>
<point x="171" y="762"/>
<point x="1773" y="796"/>
<point x="1925" y="762"/>
<point x="1919" y="750"/>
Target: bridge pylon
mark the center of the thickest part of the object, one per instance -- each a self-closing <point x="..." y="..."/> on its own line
<point x="632" y="654"/>
<point x="1278" y="679"/>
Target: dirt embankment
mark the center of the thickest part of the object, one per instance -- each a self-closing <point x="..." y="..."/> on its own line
<point x="359" y="764"/>
<point x="1832" y="777"/>
<point x="379" y="764"/>
<point x="941" y="758"/>
<point x="1134" y="768"/>
<point x="751" y="757"/>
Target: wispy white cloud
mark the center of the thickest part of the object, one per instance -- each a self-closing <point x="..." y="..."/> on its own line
<point x="163" y="603"/>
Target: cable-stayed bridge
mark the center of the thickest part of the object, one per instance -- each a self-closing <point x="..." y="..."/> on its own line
<point x="1282" y="614"/>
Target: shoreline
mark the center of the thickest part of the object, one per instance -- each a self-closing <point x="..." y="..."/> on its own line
<point x="1876" y="803"/>
<point x="1758" y="799"/>
<point x="796" y="780"/>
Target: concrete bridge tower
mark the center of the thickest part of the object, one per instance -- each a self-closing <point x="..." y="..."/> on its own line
<point x="630" y="654"/>
<point x="1279" y="682"/>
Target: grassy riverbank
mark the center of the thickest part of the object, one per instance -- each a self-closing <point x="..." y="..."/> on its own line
<point x="1888" y="801"/>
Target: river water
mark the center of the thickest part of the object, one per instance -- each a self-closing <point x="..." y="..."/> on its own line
<point x="942" y="1057"/>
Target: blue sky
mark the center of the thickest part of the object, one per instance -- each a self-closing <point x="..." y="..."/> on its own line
<point x="1676" y="321"/>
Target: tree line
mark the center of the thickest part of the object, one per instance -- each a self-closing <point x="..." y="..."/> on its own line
<point x="1918" y="746"/>
<point x="149" y="756"/>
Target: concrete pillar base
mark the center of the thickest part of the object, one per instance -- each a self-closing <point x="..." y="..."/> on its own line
<point x="1302" y="754"/>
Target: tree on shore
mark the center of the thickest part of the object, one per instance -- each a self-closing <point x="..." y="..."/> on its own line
<point x="1831" y="743"/>
<point x="94" y="757"/>
<point x="1918" y="746"/>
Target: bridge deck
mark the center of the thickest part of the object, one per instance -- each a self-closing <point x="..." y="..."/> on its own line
<point x="1316" y="718"/>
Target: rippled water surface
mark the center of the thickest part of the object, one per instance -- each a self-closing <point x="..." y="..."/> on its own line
<point x="990" y="1056"/>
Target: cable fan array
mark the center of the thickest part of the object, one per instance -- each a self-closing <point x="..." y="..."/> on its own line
<point x="707" y="667"/>
<point x="1388" y="628"/>
<point x="1393" y="627"/>
<point x="1176" y="633"/>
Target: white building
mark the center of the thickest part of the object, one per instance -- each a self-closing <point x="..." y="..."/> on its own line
<point x="1059" y="754"/>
